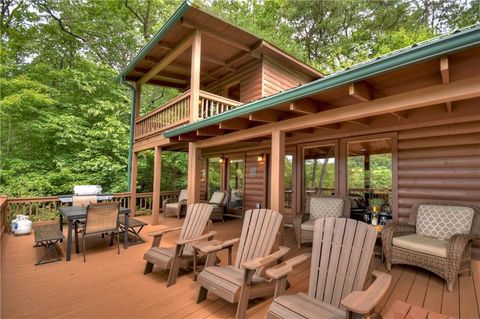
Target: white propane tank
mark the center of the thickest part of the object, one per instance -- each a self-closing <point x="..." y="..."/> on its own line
<point x="21" y="225"/>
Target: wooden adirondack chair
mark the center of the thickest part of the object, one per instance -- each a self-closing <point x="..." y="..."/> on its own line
<point x="180" y="256"/>
<point x="244" y="280"/>
<point x="342" y="249"/>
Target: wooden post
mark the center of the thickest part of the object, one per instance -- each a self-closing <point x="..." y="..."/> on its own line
<point x="194" y="173"/>
<point x="133" y="185"/>
<point x="277" y="175"/>
<point x="157" y="174"/>
<point x="195" y="76"/>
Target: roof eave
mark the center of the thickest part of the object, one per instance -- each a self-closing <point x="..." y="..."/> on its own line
<point x="419" y="53"/>
<point x="177" y="15"/>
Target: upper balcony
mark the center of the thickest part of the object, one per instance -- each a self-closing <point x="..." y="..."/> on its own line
<point x="177" y="112"/>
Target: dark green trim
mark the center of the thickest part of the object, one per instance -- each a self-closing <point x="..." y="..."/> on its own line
<point x="417" y="53"/>
<point x="132" y="123"/>
<point x="177" y="15"/>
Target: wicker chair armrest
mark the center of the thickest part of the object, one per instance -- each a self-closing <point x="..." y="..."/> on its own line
<point x="192" y="240"/>
<point x="457" y="244"/>
<point x="395" y="230"/>
<point x="161" y="232"/>
<point x="281" y="270"/>
<point x="167" y="201"/>
<point x="260" y="262"/>
<point x="218" y="247"/>
<point x="362" y="302"/>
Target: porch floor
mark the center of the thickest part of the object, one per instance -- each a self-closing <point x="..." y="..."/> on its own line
<point x="110" y="285"/>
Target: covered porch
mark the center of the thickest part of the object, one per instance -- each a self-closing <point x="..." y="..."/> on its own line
<point x="120" y="289"/>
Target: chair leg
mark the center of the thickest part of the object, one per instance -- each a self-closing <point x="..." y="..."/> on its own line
<point x="243" y="302"/>
<point x="202" y="294"/>
<point x="118" y="242"/>
<point x="84" y="249"/>
<point x="173" y="274"/>
<point x="77" y="248"/>
<point x="148" y="268"/>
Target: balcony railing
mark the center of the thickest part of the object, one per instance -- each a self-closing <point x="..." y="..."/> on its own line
<point x="177" y="112"/>
<point x="211" y="104"/>
<point x="46" y="208"/>
<point x="174" y="113"/>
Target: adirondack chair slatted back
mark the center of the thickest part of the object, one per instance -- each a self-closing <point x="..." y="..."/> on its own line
<point x="341" y="253"/>
<point x="195" y="222"/>
<point x="259" y="231"/>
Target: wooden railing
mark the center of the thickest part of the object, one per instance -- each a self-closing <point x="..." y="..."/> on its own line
<point x="174" y="113"/>
<point x="211" y="104"/>
<point x="46" y="208"/>
<point x="3" y="207"/>
<point x="177" y="112"/>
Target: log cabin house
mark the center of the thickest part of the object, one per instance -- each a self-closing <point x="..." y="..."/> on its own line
<point x="247" y="111"/>
<point x="271" y="130"/>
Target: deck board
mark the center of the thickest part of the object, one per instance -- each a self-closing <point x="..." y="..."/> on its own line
<point x="114" y="285"/>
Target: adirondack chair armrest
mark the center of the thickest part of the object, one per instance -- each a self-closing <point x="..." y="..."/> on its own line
<point x="161" y="232"/>
<point x="283" y="269"/>
<point x="218" y="247"/>
<point x="362" y="302"/>
<point x="192" y="240"/>
<point x="256" y="263"/>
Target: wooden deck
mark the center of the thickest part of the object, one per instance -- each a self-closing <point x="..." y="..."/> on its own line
<point x="110" y="285"/>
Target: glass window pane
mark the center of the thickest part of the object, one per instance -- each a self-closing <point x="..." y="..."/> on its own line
<point x="235" y="183"/>
<point x="214" y="176"/>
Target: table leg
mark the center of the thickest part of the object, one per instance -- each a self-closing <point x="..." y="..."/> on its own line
<point x="69" y="240"/>
<point x="125" y="240"/>
<point x="61" y="225"/>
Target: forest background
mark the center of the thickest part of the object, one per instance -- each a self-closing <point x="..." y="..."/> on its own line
<point x="65" y="120"/>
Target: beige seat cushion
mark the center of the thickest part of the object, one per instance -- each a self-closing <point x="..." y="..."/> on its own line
<point x="308" y="225"/>
<point x="442" y="222"/>
<point x="172" y="205"/>
<point x="321" y="207"/>
<point x="422" y="244"/>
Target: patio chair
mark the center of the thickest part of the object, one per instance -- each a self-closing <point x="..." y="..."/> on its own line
<point x="101" y="218"/>
<point x="180" y="256"/>
<point x="341" y="253"/>
<point x="218" y="201"/>
<point x="438" y="237"/>
<point x="175" y="208"/>
<point x="319" y="207"/>
<point x="244" y="280"/>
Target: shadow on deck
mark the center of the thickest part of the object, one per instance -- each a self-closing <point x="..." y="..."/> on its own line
<point x="110" y="285"/>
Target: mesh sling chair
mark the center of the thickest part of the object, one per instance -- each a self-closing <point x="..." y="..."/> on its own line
<point x="101" y="218"/>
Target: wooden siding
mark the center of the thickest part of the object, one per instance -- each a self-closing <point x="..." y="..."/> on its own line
<point x="439" y="163"/>
<point x="249" y="76"/>
<point x="254" y="190"/>
<point x="278" y="77"/>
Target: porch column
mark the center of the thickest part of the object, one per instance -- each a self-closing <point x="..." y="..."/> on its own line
<point x="194" y="173"/>
<point x="157" y="174"/>
<point x="277" y="172"/>
<point x="133" y="184"/>
<point x="195" y="76"/>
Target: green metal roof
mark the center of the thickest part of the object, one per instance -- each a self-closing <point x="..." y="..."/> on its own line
<point x="459" y="40"/>
<point x="177" y="15"/>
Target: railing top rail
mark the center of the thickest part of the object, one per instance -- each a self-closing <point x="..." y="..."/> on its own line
<point x="165" y="106"/>
<point x="218" y="98"/>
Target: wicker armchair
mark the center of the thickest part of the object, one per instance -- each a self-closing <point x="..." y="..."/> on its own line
<point x="319" y="207"/>
<point x="218" y="202"/>
<point x="175" y="208"/>
<point x="437" y="237"/>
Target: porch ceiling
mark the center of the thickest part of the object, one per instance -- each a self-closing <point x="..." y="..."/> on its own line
<point x="432" y="67"/>
<point x="224" y="49"/>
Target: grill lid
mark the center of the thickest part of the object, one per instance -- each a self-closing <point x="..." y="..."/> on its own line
<point x="83" y="190"/>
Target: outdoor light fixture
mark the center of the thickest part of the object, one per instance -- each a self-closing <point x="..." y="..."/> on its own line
<point x="221" y="160"/>
<point x="260" y="158"/>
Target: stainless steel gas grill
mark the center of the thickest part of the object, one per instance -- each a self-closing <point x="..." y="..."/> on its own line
<point x="86" y="190"/>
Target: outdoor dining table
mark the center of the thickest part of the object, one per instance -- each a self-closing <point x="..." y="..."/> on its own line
<point x="73" y="213"/>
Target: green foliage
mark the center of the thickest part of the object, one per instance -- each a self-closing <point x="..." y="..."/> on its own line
<point x="64" y="120"/>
